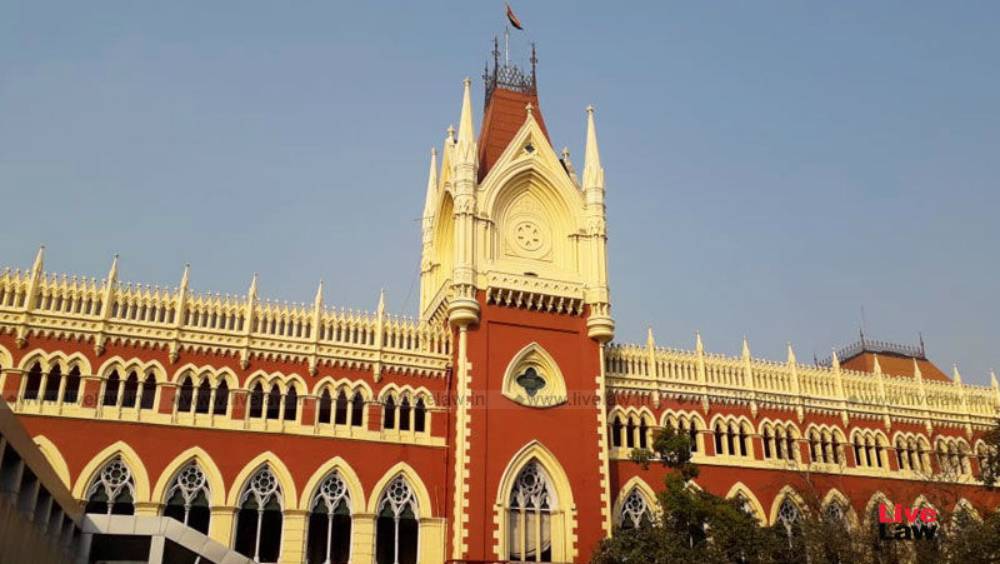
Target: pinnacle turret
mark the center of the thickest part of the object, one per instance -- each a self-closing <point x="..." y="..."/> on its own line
<point x="593" y="172"/>
<point x="432" y="181"/>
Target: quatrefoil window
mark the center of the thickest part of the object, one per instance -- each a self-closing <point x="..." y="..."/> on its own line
<point x="531" y="381"/>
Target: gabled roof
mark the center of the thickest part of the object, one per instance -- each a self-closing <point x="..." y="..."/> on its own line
<point x="504" y="116"/>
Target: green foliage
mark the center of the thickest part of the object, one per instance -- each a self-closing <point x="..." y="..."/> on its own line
<point x="990" y="464"/>
<point x="698" y="527"/>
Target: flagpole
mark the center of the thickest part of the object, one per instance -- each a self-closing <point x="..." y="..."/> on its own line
<point x="506" y="45"/>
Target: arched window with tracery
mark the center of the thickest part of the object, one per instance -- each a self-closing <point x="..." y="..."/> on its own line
<point x="635" y="512"/>
<point x="396" y="526"/>
<point x="789" y="517"/>
<point x="259" y="519"/>
<point x="187" y="498"/>
<point x="835" y="514"/>
<point x="329" y="537"/>
<point x="112" y="491"/>
<point x="529" y="524"/>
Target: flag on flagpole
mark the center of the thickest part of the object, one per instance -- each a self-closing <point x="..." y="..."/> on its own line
<point x="513" y="19"/>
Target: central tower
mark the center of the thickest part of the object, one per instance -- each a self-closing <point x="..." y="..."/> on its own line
<point x="514" y="261"/>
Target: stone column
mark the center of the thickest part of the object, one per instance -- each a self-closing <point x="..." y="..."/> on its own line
<point x="293" y="536"/>
<point x="220" y="527"/>
<point x="363" y="538"/>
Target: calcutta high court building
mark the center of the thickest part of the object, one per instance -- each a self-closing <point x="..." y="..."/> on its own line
<point x="497" y="426"/>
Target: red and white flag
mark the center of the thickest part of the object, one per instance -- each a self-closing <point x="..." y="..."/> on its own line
<point x="513" y="19"/>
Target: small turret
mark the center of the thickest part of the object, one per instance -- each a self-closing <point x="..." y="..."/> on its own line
<point x="593" y="172"/>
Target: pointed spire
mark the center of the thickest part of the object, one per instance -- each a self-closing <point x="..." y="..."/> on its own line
<point x="955" y="376"/>
<point x="698" y="346"/>
<point x="993" y="379"/>
<point x="318" y="300"/>
<point x="465" y="128"/>
<point x="746" y="348"/>
<point x="791" y="354"/>
<point x="593" y="173"/>
<point x="185" y="278"/>
<point x="432" y="181"/>
<point x="252" y="292"/>
<point x="381" y="301"/>
<point x="113" y="271"/>
<point x="877" y="368"/>
<point x="916" y="371"/>
<point x="835" y="360"/>
<point x="39" y="264"/>
<point x="650" y="341"/>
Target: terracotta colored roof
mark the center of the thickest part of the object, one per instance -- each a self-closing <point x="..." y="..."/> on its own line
<point x="504" y="116"/>
<point x="897" y="365"/>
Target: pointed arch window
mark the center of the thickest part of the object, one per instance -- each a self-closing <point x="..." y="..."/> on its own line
<point x="325" y="405"/>
<point x="643" y="433"/>
<point x="357" y="410"/>
<point x="329" y="537"/>
<point x="203" y="403"/>
<point x="148" y="398"/>
<point x="635" y="512"/>
<point x="221" y="399"/>
<point x="33" y="385"/>
<point x="340" y="415"/>
<point x="404" y="414"/>
<point x="51" y="392"/>
<point x="396" y="529"/>
<point x="111" y="389"/>
<point x="835" y="514"/>
<point x="789" y="517"/>
<point x="420" y="416"/>
<point x="113" y="490"/>
<point x="185" y="398"/>
<point x="130" y="392"/>
<point x="529" y="532"/>
<point x="187" y="498"/>
<point x="274" y="402"/>
<point x="257" y="401"/>
<point x="630" y="433"/>
<point x="389" y="417"/>
<point x="291" y="404"/>
<point x="72" y="390"/>
<point x="260" y="518"/>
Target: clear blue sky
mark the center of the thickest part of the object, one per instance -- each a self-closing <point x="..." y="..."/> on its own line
<point x="771" y="166"/>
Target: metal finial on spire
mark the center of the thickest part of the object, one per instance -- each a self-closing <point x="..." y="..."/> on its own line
<point x="534" y="65"/>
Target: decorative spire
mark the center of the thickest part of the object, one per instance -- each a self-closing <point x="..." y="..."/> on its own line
<point x="529" y="108"/>
<point x="993" y="379"/>
<point x="877" y="369"/>
<point x="568" y="165"/>
<point x="39" y="264"/>
<point x="916" y="371"/>
<point x="381" y="302"/>
<point x="650" y="341"/>
<point x="791" y="354"/>
<point x="835" y="360"/>
<point x="593" y="173"/>
<point x="252" y="292"/>
<point x="955" y="376"/>
<point x="450" y="134"/>
<point x="698" y="346"/>
<point x="185" y="278"/>
<point x="745" y="352"/>
<point x="466" y="134"/>
<point x="432" y="181"/>
<point x="113" y="271"/>
<point x="318" y="300"/>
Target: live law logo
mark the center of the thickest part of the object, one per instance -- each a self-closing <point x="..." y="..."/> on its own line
<point x="907" y="523"/>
